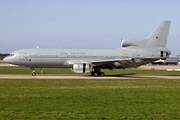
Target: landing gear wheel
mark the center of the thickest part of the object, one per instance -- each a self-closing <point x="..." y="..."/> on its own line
<point x="102" y="74"/>
<point x="33" y="73"/>
<point x="95" y="74"/>
<point x="92" y="73"/>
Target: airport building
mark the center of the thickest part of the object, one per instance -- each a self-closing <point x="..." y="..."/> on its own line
<point x="168" y="61"/>
<point x="172" y="61"/>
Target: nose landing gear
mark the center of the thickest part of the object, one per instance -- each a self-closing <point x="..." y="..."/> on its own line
<point x="33" y="72"/>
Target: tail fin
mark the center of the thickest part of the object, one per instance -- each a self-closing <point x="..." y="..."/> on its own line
<point x="159" y="36"/>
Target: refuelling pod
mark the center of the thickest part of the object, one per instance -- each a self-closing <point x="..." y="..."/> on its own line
<point x="81" y="68"/>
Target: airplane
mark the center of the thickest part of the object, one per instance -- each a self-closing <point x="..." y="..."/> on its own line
<point x="132" y="54"/>
<point x="159" y="61"/>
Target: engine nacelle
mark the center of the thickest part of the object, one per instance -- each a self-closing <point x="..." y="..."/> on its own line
<point x="81" y="68"/>
<point x="133" y="42"/>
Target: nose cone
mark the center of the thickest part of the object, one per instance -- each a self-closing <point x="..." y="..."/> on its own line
<point x="7" y="60"/>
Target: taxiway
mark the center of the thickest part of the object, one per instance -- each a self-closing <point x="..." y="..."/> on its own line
<point x="89" y="77"/>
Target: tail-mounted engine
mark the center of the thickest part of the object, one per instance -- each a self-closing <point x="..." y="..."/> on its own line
<point x="81" y="68"/>
<point x="133" y="42"/>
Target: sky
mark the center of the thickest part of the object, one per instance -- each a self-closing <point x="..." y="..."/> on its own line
<point x="96" y="24"/>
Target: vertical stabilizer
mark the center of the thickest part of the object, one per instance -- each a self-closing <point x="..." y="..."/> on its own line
<point x="159" y="36"/>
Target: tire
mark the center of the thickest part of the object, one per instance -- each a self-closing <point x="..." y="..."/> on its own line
<point x="33" y="74"/>
<point x="95" y="74"/>
<point x="102" y="74"/>
<point x="92" y="73"/>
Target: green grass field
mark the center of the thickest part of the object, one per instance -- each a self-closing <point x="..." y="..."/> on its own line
<point x="24" y="70"/>
<point x="89" y="99"/>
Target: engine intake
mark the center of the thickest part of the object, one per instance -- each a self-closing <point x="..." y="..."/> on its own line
<point x="81" y="68"/>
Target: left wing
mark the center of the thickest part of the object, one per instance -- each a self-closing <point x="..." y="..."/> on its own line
<point x="125" y="62"/>
<point x="122" y="61"/>
<point x="114" y="63"/>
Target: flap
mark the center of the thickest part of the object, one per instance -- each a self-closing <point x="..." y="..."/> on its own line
<point x="120" y="60"/>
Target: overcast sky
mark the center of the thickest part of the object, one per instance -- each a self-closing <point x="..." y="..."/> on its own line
<point x="84" y="23"/>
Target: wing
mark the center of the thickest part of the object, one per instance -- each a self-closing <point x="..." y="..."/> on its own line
<point x="117" y="63"/>
<point x="114" y="63"/>
<point x="122" y="61"/>
<point x="125" y="62"/>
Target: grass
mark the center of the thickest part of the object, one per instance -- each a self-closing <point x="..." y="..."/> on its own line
<point x="89" y="99"/>
<point x="24" y="70"/>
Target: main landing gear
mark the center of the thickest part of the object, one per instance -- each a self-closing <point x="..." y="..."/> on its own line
<point x="33" y="72"/>
<point x="97" y="72"/>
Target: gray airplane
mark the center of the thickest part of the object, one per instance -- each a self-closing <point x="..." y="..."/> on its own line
<point x="133" y="53"/>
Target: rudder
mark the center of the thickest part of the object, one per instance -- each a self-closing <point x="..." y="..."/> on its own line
<point x="159" y="36"/>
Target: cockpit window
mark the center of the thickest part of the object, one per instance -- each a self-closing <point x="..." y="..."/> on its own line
<point x="11" y="55"/>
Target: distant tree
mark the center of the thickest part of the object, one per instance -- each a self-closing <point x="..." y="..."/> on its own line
<point x="2" y="56"/>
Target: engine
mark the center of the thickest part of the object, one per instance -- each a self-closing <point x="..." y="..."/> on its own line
<point x="81" y="68"/>
<point x="133" y="42"/>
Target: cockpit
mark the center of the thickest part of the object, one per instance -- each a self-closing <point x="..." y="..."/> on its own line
<point x="11" y="55"/>
<point x="11" y="58"/>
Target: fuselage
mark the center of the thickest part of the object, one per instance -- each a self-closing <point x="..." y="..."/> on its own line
<point x="62" y="58"/>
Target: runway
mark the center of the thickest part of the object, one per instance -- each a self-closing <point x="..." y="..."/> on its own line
<point x="89" y="77"/>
